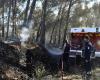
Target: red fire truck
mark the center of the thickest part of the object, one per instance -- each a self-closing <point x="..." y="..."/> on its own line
<point x="77" y="35"/>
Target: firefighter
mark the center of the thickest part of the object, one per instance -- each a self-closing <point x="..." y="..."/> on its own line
<point x="66" y="56"/>
<point x="87" y="48"/>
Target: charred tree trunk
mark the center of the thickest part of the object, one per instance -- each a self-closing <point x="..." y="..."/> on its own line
<point x="42" y="24"/>
<point x="7" y="34"/>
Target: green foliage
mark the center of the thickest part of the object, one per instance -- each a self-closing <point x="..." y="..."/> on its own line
<point x="39" y="70"/>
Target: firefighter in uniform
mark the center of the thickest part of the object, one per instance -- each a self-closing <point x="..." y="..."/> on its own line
<point x="87" y="48"/>
<point x="66" y="56"/>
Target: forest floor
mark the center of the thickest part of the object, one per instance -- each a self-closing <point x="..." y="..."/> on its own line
<point x="14" y="71"/>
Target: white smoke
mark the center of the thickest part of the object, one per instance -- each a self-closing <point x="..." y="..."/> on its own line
<point x="26" y="32"/>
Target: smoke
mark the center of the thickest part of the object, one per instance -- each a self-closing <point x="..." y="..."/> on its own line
<point x="26" y="31"/>
<point x="24" y="34"/>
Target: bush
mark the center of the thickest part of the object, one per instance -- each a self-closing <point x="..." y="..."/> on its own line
<point x="39" y="70"/>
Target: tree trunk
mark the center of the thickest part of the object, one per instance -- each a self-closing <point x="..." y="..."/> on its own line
<point x="7" y="34"/>
<point x="55" y="24"/>
<point x="42" y="24"/>
<point x="59" y="33"/>
<point x="52" y="33"/>
<point x="13" y="16"/>
<point x="55" y="38"/>
<point x="31" y="10"/>
<point x="38" y="34"/>
<point x="30" y="17"/>
<point x="67" y="22"/>
<point x="26" y="13"/>
<point x="60" y="24"/>
<point x="3" y="27"/>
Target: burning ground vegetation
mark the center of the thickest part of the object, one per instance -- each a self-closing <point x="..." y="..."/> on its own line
<point x="33" y="63"/>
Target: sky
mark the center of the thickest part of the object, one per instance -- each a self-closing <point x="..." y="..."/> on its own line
<point x="98" y="0"/>
<point x="91" y="3"/>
